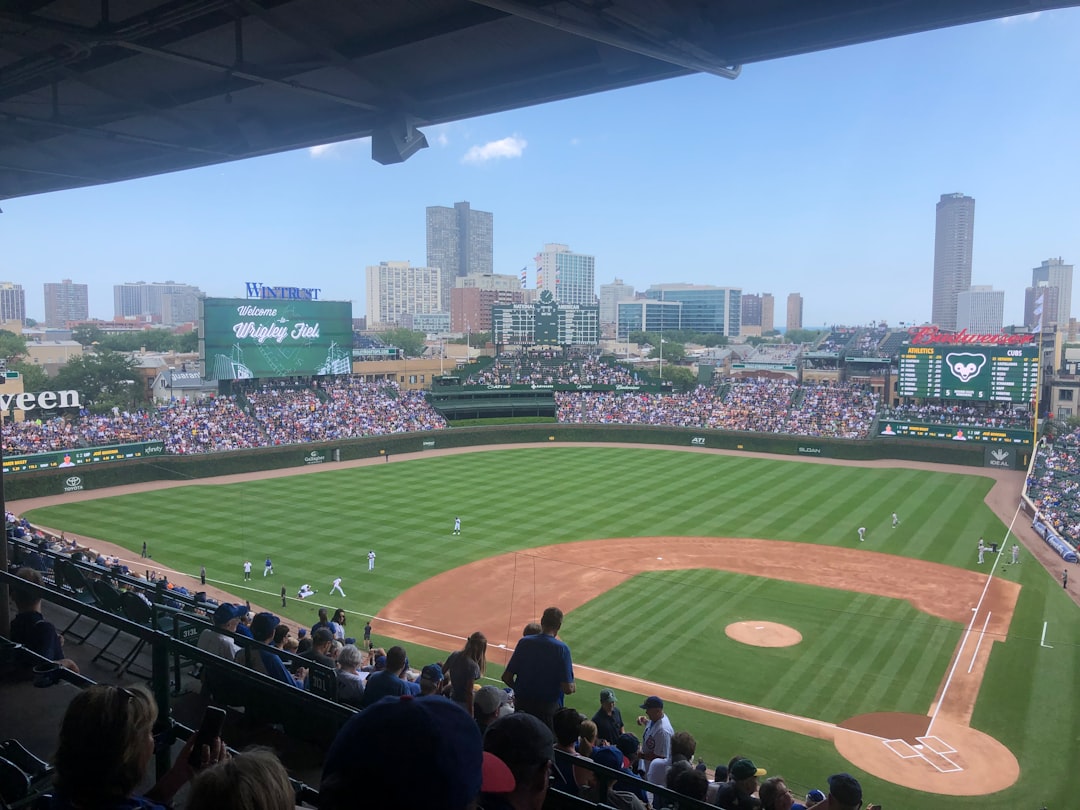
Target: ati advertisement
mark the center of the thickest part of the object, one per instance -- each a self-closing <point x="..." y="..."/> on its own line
<point x="247" y="339"/>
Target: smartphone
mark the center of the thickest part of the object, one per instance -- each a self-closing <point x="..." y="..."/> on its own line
<point x="213" y="721"/>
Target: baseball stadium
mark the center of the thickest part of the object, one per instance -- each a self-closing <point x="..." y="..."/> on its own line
<point x="853" y="555"/>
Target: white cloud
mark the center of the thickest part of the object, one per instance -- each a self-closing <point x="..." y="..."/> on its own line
<point x="336" y="150"/>
<point x="511" y="147"/>
<point x="322" y="151"/>
<point x="1021" y="18"/>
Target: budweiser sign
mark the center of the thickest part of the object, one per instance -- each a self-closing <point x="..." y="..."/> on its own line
<point x="931" y="334"/>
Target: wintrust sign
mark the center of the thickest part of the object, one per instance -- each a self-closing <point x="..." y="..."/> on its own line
<point x="46" y="400"/>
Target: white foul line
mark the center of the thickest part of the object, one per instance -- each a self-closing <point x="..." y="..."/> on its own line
<point x="1042" y="641"/>
<point x="982" y="634"/>
<point x="971" y="624"/>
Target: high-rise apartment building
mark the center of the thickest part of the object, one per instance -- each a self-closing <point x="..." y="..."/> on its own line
<point x="751" y="310"/>
<point x="768" y="313"/>
<point x="1055" y="273"/>
<point x="953" y="237"/>
<point x="610" y="296"/>
<point x="795" y="311"/>
<point x="12" y="302"/>
<point x="65" y="302"/>
<point x="705" y="308"/>
<point x="980" y="310"/>
<point x="1039" y="314"/>
<point x="570" y="276"/>
<point x="397" y="288"/>
<point x="148" y="301"/>
<point x="460" y="242"/>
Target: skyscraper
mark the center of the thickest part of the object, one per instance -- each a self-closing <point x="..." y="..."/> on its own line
<point x="142" y="300"/>
<point x="12" y="302"/>
<point x="459" y="242"/>
<point x="1055" y="273"/>
<point x="1040" y="314"/>
<point x="65" y="302"/>
<point x="794" y="311"/>
<point x="610" y="296"/>
<point x="980" y="310"/>
<point x="395" y="289"/>
<point x="953" y="238"/>
<point x="570" y="276"/>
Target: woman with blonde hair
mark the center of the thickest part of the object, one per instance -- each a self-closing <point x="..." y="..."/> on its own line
<point x="106" y="743"/>
<point x="253" y="780"/>
<point x="464" y="667"/>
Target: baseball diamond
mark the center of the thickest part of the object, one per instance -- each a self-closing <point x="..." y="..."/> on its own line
<point x="912" y="666"/>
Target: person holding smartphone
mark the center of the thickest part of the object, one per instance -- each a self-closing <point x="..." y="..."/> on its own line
<point x="107" y="742"/>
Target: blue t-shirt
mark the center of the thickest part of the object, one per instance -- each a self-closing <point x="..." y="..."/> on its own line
<point x="381" y="684"/>
<point x="32" y="631"/>
<point x="276" y="669"/>
<point x="542" y="665"/>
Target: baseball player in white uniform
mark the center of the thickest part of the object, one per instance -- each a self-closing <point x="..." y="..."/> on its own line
<point x="371" y="561"/>
<point x="457" y="525"/>
<point x="895" y="520"/>
<point x="337" y="587"/>
<point x="862" y="534"/>
<point x="1015" y="554"/>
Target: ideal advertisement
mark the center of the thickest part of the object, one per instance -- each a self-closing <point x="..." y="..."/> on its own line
<point x="243" y="339"/>
<point x="82" y="456"/>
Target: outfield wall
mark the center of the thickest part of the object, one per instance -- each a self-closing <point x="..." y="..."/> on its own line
<point x="183" y="468"/>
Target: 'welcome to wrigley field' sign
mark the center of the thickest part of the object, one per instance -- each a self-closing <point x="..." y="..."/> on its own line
<point x="251" y="338"/>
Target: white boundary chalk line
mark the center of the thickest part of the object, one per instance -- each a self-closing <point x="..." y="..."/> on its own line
<point x="971" y="624"/>
<point x="1042" y="641"/>
<point x="948" y="749"/>
<point x="982" y="635"/>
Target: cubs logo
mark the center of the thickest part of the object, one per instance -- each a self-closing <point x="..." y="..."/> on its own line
<point x="965" y="365"/>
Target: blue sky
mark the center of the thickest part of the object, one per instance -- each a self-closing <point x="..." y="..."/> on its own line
<point x="817" y="174"/>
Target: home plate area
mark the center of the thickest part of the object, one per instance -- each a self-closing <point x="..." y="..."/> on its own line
<point x="932" y="749"/>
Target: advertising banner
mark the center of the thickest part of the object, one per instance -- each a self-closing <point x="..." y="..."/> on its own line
<point x="243" y="339"/>
<point x="891" y="428"/>
<point x="82" y="456"/>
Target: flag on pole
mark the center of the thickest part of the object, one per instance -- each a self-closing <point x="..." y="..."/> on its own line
<point x="1038" y="313"/>
<point x="524" y="276"/>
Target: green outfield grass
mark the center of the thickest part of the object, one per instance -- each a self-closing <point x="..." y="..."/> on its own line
<point x="860" y="653"/>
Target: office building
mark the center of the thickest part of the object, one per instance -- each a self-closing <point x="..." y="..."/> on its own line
<point x="794" y="311"/>
<point x="980" y="310"/>
<point x="570" y="276"/>
<point x="705" y="308"/>
<point x="643" y="315"/>
<point x="12" y="303"/>
<point x="397" y="288"/>
<point x="474" y="295"/>
<point x="610" y="296"/>
<point x="459" y="242"/>
<point x="142" y="301"/>
<point x="1055" y="273"/>
<point x="1040" y="314"/>
<point x="65" y="302"/>
<point x="953" y="238"/>
<point x="758" y="312"/>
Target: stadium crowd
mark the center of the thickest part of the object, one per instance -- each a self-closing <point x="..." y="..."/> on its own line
<point x="551" y="368"/>
<point x="744" y="404"/>
<point x="344" y="407"/>
<point x="1054" y="485"/>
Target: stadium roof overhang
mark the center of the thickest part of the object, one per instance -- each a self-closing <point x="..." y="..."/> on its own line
<point x="95" y="92"/>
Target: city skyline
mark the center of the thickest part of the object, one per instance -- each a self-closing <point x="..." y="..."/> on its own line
<point x="814" y="173"/>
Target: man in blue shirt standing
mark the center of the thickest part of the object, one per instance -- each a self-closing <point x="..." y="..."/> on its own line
<point x="541" y="671"/>
<point x="388" y="681"/>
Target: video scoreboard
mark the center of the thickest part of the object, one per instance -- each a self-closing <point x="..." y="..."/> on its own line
<point x="982" y="373"/>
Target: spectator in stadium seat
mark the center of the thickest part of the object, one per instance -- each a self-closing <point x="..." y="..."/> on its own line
<point x="666" y="771"/>
<point x="845" y="793"/>
<point x="526" y="745"/>
<point x="465" y="667"/>
<point x="541" y="670"/>
<point x="350" y="686"/>
<point x="321" y="640"/>
<point x="244" y="627"/>
<point x="105" y="745"/>
<point x="618" y="796"/>
<point x="567" y="777"/>
<point x="489" y="704"/>
<point x="281" y="632"/>
<point x="431" y="680"/>
<point x="656" y="740"/>
<point x="252" y="780"/>
<point x="531" y="629"/>
<point x="608" y="718"/>
<point x="774" y="794"/>
<point x="265" y="661"/>
<point x="738" y="792"/>
<point x="29" y="627"/>
<point x="630" y="747"/>
<point x="323" y="621"/>
<point x="692" y="783"/>
<point x="404" y="752"/>
<point x="389" y="681"/>
<point x="337" y="624"/>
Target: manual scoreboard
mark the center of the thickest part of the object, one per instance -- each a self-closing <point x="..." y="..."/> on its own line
<point x="983" y="373"/>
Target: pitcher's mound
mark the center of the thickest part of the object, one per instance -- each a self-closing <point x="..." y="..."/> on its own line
<point x="764" y="634"/>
